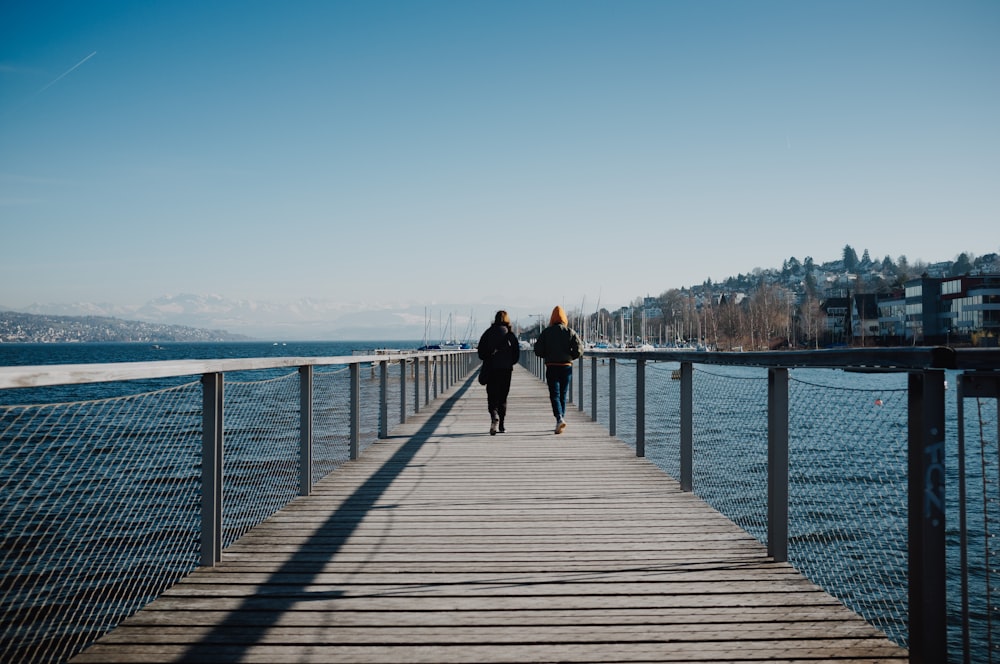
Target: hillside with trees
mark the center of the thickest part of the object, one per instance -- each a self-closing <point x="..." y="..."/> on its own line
<point x="769" y="308"/>
<point x="33" y="328"/>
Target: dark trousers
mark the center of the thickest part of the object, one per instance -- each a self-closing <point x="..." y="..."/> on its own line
<point x="497" y="389"/>
<point x="558" y="379"/>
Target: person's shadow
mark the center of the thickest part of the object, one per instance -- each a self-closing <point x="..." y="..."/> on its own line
<point x="229" y="640"/>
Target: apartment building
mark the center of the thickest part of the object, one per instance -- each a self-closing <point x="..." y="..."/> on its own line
<point x="942" y="310"/>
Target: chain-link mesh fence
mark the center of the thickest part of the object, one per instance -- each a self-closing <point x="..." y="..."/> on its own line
<point x="848" y="510"/>
<point x="975" y="531"/>
<point x="100" y="513"/>
<point x="101" y="503"/>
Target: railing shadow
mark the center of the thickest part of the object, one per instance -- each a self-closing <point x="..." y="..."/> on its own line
<point x="334" y="532"/>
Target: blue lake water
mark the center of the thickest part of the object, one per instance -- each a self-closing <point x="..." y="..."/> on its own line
<point x="88" y="353"/>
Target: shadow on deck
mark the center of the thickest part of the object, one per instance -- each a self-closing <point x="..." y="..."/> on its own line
<point x="445" y="544"/>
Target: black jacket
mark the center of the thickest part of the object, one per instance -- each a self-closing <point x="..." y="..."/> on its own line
<point x="558" y="344"/>
<point x="498" y="347"/>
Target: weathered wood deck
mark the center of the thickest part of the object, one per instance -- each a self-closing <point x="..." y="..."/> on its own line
<point x="444" y="544"/>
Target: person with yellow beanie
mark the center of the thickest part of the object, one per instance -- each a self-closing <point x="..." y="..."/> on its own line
<point x="559" y="345"/>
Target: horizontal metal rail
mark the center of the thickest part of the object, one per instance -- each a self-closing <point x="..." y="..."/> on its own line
<point x="77" y="374"/>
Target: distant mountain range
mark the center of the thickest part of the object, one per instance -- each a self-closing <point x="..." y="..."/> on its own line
<point x="305" y="319"/>
<point x="40" y="328"/>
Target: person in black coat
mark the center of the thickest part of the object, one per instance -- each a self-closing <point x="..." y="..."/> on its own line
<point x="499" y="350"/>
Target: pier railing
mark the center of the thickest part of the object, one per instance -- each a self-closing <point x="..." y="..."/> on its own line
<point x="858" y="467"/>
<point x="106" y="502"/>
<point x="853" y="465"/>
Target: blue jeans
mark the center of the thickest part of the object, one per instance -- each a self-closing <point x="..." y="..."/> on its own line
<point x="558" y="379"/>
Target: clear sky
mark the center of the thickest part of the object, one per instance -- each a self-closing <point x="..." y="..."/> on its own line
<point x="512" y="154"/>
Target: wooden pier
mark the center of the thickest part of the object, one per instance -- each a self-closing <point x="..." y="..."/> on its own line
<point x="445" y="544"/>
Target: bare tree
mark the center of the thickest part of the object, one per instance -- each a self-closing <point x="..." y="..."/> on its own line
<point x="710" y="322"/>
<point x="731" y="322"/>
<point x="672" y="305"/>
<point x="768" y="315"/>
<point x="811" y="317"/>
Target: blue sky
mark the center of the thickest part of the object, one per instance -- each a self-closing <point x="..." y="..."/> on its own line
<point x="503" y="154"/>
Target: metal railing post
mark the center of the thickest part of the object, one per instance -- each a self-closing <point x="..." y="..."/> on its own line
<point x="980" y="386"/>
<point x="579" y="387"/>
<point x="416" y="384"/>
<point x="612" y="396"/>
<point x="640" y="408"/>
<point x="211" y="468"/>
<point x="427" y="379"/>
<point x="687" y="427"/>
<point x="305" y="429"/>
<point x="926" y="462"/>
<point x="963" y="529"/>
<point x="383" y="399"/>
<point x="402" y="390"/>
<point x="437" y="373"/>
<point x="593" y="389"/>
<point x="355" y="424"/>
<point x="777" y="464"/>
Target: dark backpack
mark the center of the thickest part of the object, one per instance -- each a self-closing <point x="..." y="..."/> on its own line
<point x="575" y="350"/>
<point x="501" y="357"/>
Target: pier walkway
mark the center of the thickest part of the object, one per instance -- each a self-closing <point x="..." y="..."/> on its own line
<point x="445" y="544"/>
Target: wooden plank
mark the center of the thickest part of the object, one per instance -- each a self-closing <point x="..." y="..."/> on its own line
<point x="445" y="544"/>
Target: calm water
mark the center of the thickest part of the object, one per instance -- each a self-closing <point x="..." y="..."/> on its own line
<point x="88" y="353"/>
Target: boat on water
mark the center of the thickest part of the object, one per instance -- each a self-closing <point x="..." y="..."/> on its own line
<point x="451" y="343"/>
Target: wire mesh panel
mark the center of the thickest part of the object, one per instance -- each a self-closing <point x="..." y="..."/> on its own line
<point x="848" y="476"/>
<point x="99" y="514"/>
<point x="602" y="392"/>
<point x="974" y="592"/>
<point x="663" y="420"/>
<point x="847" y="460"/>
<point x="261" y="462"/>
<point x="624" y="401"/>
<point x="101" y="507"/>
<point x="393" y="386"/>
<point x="331" y="420"/>
<point x="848" y="490"/>
<point x="369" y="408"/>
<point x="730" y="443"/>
